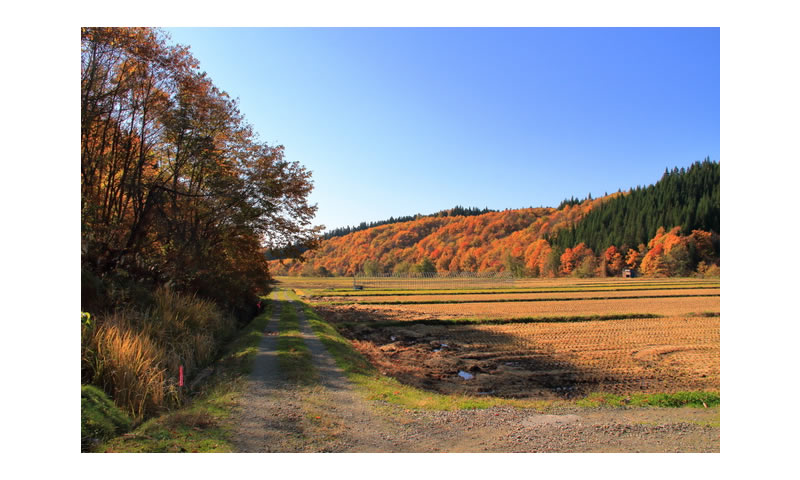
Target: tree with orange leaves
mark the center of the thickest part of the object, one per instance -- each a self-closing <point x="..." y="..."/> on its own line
<point x="653" y="264"/>
<point x="573" y="257"/>
<point x="614" y="261"/>
<point x="633" y="258"/>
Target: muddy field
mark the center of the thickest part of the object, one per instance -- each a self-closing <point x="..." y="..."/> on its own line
<point x="542" y="360"/>
<point x="678" y="351"/>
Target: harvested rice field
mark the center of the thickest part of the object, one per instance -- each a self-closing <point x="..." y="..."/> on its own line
<point x="539" y="296"/>
<point x="666" y="306"/>
<point x="610" y="337"/>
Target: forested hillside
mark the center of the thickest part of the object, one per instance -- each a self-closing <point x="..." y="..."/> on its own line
<point x="688" y="198"/>
<point x="670" y="228"/>
<point x="456" y="211"/>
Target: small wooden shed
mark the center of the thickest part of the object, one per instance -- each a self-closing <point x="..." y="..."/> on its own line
<point x="627" y="273"/>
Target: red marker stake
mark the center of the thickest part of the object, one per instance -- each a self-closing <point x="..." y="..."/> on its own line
<point x="180" y="379"/>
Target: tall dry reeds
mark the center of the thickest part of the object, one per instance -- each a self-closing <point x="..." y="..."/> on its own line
<point x="135" y="355"/>
<point x="127" y="363"/>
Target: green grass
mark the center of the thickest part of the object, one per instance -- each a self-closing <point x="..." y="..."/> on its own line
<point x="294" y="357"/>
<point x="101" y="420"/>
<point x="201" y="426"/>
<point x="501" y="321"/>
<point x="679" y="399"/>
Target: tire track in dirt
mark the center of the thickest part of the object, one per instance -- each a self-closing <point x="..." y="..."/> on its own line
<point x="346" y="421"/>
<point x="275" y="415"/>
<point x="268" y="415"/>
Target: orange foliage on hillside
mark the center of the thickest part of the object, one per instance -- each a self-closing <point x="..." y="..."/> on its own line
<point x="512" y="240"/>
<point x="478" y="243"/>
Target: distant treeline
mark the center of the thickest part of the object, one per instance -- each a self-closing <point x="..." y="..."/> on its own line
<point x="456" y="211"/>
<point x="688" y="198"/>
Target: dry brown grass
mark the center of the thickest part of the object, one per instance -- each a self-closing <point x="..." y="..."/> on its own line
<point x="135" y="356"/>
<point x="128" y="364"/>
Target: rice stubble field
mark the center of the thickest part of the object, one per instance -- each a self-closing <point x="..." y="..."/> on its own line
<point x="636" y="336"/>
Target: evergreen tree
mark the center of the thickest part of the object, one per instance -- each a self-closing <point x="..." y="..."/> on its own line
<point x="689" y="198"/>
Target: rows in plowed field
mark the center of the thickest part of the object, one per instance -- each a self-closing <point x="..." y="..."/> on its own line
<point x="539" y="296"/>
<point x="660" y="306"/>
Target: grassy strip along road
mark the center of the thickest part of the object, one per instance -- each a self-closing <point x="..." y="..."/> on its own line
<point x="294" y="357"/>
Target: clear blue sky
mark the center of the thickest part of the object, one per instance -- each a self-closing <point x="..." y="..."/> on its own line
<point x="394" y="122"/>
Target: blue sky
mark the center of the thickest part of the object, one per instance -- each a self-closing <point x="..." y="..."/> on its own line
<point x="400" y="121"/>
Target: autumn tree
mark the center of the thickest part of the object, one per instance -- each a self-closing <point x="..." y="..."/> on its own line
<point x="632" y="259"/>
<point x="371" y="268"/>
<point x="175" y="185"/>
<point x="653" y="263"/>
<point x="536" y="256"/>
<point x="402" y="268"/>
<point x="514" y="265"/>
<point x="614" y="261"/>
<point x="587" y="267"/>
<point x="573" y="257"/>
<point x="704" y="246"/>
<point x="469" y="263"/>
<point x="426" y="266"/>
<point x="678" y="260"/>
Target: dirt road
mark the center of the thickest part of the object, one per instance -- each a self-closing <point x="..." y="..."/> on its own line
<point x="275" y="416"/>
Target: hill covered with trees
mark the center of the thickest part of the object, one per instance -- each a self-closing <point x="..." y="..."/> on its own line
<point x="456" y="211"/>
<point x="669" y="228"/>
<point x="688" y="198"/>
